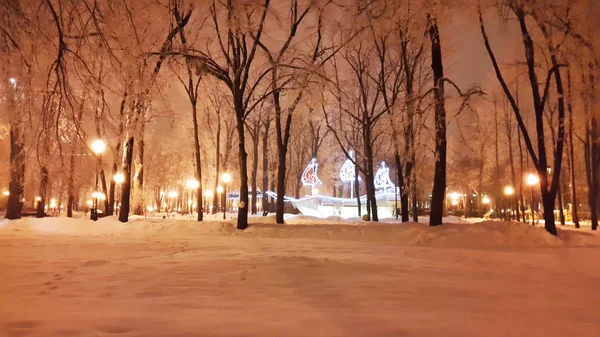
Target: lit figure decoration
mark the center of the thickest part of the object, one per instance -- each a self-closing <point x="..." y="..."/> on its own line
<point x="382" y="178"/>
<point x="348" y="173"/>
<point x="309" y="176"/>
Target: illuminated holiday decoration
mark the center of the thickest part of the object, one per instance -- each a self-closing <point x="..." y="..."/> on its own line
<point x="348" y="173"/>
<point x="309" y="176"/>
<point x="382" y="178"/>
<point x="323" y="206"/>
<point x="348" y="170"/>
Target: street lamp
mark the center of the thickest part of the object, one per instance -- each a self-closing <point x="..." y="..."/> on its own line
<point x="98" y="146"/>
<point x="225" y="178"/>
<point x="486" y="200"/>
<point x="531" y="180"/>
<point x="508" y="192"/>
<point x="220" y="191"/>
<point x="172" y="195"/>
<point x="207" y="194"/>
<point x="193" y="185"/>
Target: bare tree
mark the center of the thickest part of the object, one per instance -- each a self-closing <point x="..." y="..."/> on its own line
<point x="548" y="187"/>
<point x="191" y="85"/>
<point x="439" y="181"/>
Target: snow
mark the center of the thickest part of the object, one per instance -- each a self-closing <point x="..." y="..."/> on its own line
<point x="312" y="277"/>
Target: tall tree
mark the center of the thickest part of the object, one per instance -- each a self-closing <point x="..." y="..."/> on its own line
<point x="439" y="181"/>
<point x="191" y="84"/>
<point x="539" y="158"/>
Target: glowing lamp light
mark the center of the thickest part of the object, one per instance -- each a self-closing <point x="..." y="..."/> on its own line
<point x="208" y="193"/>
<point x="226" y="178"/>
<point x="486" y="200"/>
<point x="53" y="203"/>
<point x="508" y="190"/>
<point x="13" y="81"/>
<point x="98" y="146"/>
<point x="89" y="203"/>
<point x="189" y="202"/>
<point x="119" y="178"/>
<point x="454" y="202"/>
<point x="192" y="184"/>
<point x="532" y="179"/>
<point x="6" y="193"/>
<point x="173" y="194"/>
<point x="150" y="209"/>
<point x="219" y="189"/>
<point x="38" y="198"/>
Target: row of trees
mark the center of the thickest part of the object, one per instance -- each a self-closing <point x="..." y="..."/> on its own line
<point x="286" y="80"/>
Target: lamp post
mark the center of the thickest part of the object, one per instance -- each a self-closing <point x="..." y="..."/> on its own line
<point x="193" y="185"/>
<point x="98" y="146"/>
<point x="508" y="192"/>
<point x="531" y="180"/>
<point x="486" y="201"/>
<point x="225" y="178"/>
<point x="219" y="192"/>
<point x="207" y="194"/>
<point x="119" y="178"/>
<point x="172" y="195"/>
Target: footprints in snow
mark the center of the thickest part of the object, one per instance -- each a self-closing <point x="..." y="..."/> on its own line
<point x="22" y="328"/>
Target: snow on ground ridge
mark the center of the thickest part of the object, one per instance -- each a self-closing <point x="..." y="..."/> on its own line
<point x="486" y="234"/>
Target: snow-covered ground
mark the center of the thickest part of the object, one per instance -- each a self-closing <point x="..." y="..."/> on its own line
<point x="177" y="278"/>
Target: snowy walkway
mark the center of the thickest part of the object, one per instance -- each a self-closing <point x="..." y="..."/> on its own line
<point x="173" y="279"/>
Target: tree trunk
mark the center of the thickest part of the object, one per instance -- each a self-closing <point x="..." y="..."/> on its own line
<point x="403" y="188"/>
<point x="126" y="186"/>
<point x="439" y="182"/>
<point x="561" y="212"/>
<point x="497" y="188"/>
<point x="272" y="204"/>
<point x="591" y="175"/>
<point x="265" y="168"/>
<point x="111" y="190"/>
<point x="139" y="207"/>
<point x="514" y="204"/>
<point x="369" y="179"/>
<point x="14" y="205"/>
<point x="415" y="204"/>
<point x="255" y="141"/>
<point x="104" y="188"/>
<point x="242" y="221"/>
<point x="198" y="163"/>
<point x="71" y="183"/>
<point x="43" y="190"/>
<point x="357" y="189"/>
<point x="281" y="170"/>
<point x="571" y="154"/>
<point x="216" y="200"/>
<point x="521" y="198"/>
<point x="548" y="203"/>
